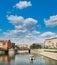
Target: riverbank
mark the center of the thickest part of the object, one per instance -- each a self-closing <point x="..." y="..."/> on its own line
<point x="47" y="54"/>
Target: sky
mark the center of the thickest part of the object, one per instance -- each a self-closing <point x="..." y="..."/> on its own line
<point x="28" y="21"/>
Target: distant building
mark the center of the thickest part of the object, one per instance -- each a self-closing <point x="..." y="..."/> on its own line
<point x="51" y="43"/>
<point x="5" y="44"/>
<point x="24" y="45"/>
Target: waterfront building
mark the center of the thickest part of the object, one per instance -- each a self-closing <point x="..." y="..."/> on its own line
<point x="51" y="43"/>
<point x="24" y="45"/>
<point x="5" y="44"/>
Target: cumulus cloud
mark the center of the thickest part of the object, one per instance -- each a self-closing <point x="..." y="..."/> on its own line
<point x="15" y="33"/>
<point x="19" y="27"/>
<point x="22" y="23"/>
<point x="48" y="34"/>
<point x="51" y="22"/>
<point x="30" y="23"/>
<point x="21" y="36"/>
<point x="25" y="30"/>
<point x="23" y="4"/>
<point x="35" y="32"/>
<point x="15" y="19"/>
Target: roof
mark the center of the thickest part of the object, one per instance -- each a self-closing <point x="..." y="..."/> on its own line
<point x="52" y="38"/>
<point x="4" y="41"/>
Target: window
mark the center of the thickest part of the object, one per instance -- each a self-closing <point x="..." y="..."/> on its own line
<point x="3" y="43"/>
<point x="49" y="41"/>
<point x="52" y="44"/>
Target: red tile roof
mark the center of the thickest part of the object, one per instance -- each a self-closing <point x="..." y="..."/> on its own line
<point x="4" y="41"/>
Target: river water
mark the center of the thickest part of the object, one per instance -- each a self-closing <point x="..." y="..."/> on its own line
<point x="23" y="59"/>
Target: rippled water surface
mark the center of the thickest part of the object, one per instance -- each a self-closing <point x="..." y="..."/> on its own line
<point x="23" y="59"/>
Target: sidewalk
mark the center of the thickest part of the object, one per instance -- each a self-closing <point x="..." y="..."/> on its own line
<point x="47" y="54"/>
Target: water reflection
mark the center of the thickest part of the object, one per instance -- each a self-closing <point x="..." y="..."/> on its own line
<point x="7" y="58"/>
<point x="50" y="61"/>
<point x="31" y="58"/>
<point x="23" y="59"/>
<point x="46" y="60"/>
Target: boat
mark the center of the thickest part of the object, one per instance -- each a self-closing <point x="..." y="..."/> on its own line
<point x="31" y="58"/>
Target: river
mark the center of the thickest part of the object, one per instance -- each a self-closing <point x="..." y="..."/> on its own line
<point x="23" y="59"/>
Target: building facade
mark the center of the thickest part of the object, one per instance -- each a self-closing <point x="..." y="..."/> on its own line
<point x="24" y="45"/>
<point x="5" y="44"/>
<point x="51" y="43"/>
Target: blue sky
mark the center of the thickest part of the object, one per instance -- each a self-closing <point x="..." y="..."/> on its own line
<point x="28" y="21"/>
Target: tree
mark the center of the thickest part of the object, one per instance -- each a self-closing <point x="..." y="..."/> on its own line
<point x="13" y="45"/>
<point x="35" y="46"/>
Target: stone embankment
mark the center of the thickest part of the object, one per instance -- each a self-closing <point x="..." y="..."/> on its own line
<point x="47" y="54"/>
<point x="22" y="51"/>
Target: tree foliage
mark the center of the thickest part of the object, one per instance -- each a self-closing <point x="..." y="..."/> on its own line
<point x="35" y="46"/>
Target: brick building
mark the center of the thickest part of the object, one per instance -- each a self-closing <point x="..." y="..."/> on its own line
<point x="5" y="44"/>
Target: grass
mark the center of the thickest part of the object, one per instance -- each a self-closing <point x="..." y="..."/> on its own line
<point x="54" y="51"/>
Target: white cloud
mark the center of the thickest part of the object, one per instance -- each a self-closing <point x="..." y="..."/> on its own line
<point x="30" y="23"/>
<point x="16" y="36"/>
<point x="48" y="34"/>
<point x="19" y="27"/>
<point x="51" y="22"/>
<point x="21" y="23"/>
<point x="15" y="19"/>
<point x="22" y="36"/>
<point x="35" y="32"/>
<point x="23" y="4"/>
<point x="25" y="30"/>
<point x="18" y="19"/>
<point x="15" y="33"/>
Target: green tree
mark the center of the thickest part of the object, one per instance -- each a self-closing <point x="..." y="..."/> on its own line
<point x="13" y="45"/>
<point x="35" y="46"/>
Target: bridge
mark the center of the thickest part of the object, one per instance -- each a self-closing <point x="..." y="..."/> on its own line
<point x="23" y="51"/>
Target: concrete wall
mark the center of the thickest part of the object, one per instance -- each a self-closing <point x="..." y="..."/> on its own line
<point x="23" y="51"/>
<point x="42" y="52"/>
